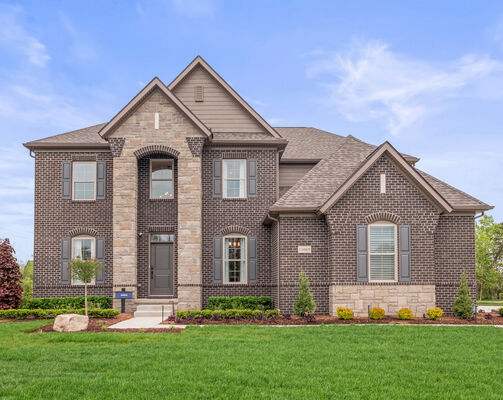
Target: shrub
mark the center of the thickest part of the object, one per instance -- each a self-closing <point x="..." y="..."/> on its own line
<point x="405" y="313"/>
<point x="463" y="305"/>
<point x="47" y="303"/>
<point x="272" y="313"/>
<point x="39" y="313"/>
<point x="500" y="311"/>
<point x="435" y="313"/>
<point x="376" y="313"/>
<point x="11" y="290"/>
<point x="216" y="315"/>
<point x="240" y="302"/>
<point x="345" y="313"/>
<point x="304" y="304"/>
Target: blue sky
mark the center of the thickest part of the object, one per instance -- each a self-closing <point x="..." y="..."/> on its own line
<point x="427" y="76"/>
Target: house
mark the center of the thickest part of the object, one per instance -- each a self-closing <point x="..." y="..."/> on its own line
<point x="189" y="193"/>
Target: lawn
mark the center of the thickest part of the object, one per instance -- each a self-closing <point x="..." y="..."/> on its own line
<point x="490" y="303"/>
<point x="233" y="362"/>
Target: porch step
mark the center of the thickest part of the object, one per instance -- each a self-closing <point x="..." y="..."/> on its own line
<point x="152" y="310"/>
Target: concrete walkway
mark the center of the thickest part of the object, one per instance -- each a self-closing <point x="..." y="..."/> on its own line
<point x="143" y="323"/>
<point x="489" y="308"/>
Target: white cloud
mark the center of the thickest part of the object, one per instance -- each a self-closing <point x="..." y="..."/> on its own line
<point x="14" y="37"/>
<point x="370" y="82"/>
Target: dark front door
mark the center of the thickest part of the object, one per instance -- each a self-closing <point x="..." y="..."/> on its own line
<point x="161" y="269"/>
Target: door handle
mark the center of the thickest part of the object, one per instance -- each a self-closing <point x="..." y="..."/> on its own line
<point x="151" y="272"/>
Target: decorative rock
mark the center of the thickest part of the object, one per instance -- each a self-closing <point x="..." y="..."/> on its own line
<point x="70" y="323"/>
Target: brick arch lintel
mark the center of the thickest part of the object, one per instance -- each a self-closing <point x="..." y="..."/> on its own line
<point x="156" y="149"/>
<point x="382" y="216"/>
<point x="82" y="231"/>
<point x="235" y="229"/>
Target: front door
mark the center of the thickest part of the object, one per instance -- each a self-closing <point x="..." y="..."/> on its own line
<point x="161" y="265"/>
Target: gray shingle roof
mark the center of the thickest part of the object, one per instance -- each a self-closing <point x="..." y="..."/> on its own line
<point x="84" y="136"/>
<point x="323" y="180"/>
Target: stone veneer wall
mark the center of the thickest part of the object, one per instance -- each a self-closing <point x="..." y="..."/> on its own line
<point x="297" y="231"/>
<point x="219" y="214"/>
<point x="56" y="218"/>
<point x="138" y="131"/>
<point x="154" y="215"/>
<point x="389" y="297"/>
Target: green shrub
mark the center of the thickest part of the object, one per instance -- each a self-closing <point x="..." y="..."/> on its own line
<point x="272" y="313"/>
<point x="224" y="314"/>
<point x="434" y="313"/>
<point x="405" y="313"/>
<point x="304" y="304"/>
<point x="376" y="313"/>
<point x="345" y="313"/>
<point x="48" y="314"/>
<point x="500" y="311"/>
<point x="240" y="302"/>
<point x="463" y="305"/>
<point x="47" y="303"/>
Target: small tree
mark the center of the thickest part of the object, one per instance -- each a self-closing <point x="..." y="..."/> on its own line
<point x="85" y="271"/>
<point x="463" y="305"/>
<point x="27" y="281"/>
<point x="304" y="304"/>
<point x="11" y="290"/>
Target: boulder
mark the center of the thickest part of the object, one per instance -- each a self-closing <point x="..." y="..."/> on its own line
<point x="70" y="323"/>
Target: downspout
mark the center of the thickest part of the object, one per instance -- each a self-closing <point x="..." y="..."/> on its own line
<point x="277" y="257"/>
<point x="478" y="216"/>
<point x="31" y="155"/>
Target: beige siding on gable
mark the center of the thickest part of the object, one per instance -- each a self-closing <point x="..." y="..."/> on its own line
<point x="289" y="174"/>
<point x="219" y="111"/>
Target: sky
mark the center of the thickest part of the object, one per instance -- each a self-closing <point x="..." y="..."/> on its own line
<point x="426" y="76"/>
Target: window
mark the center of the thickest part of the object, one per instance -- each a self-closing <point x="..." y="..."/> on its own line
<point x="161" y="179"/>
<point x="84" y="180"/>
<point x="234" y="178"/>
<point x="83" y="247"/>
<point x="382" y="252"/>
<point x="383" y="183"/>
<point x="235" y="259"/>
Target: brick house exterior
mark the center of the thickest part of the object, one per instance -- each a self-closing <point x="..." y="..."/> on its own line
<point x="244" y="208"/>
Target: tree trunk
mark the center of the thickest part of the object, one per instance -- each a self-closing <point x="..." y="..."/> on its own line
<point x="481" y="290"/>
<point x="85" y="298"/>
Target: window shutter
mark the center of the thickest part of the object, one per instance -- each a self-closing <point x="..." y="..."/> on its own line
<point x="362" y="271"/>
<point x="217" y="260"/>
<point x="217" y="178"/>
<point x="66" y="180"/>
<point x="101" y="180"/>
<point x="65" y="261"/>
<point x="252" y="178"/>
<point x="404" y="253"/>
<point x="100" y="256"/>
<point x="252" y="260"/>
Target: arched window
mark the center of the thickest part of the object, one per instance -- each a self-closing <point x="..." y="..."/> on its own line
<point x="234" y="260"/>
<point x="382" y="252"/>
<point x="83" y="247"/>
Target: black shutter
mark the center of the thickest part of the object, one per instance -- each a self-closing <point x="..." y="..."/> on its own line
<point x="217" y="259"/>
<point x="404" y="253"/>
<point x="252" y="260"/>
<point x="100" y="256"/>
<point x="66" y="180"/>
<point x="217" y="178"/>
<point x="362" y="270"/>
<point x="252" y="178"/>
<point x="101" y="180"/>
<point x="65" y="261"/>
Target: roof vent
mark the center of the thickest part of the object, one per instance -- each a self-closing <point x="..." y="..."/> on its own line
<point x="199" y="93"/>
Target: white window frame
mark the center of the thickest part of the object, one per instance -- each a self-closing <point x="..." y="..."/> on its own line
<point x="74" y="180"/>
<point x="245" y="255"/>
<point x="170" y="161"/>
<point x="93" y="282"/>
<point x="225" y="179"/>
<point x="383" y="223"/>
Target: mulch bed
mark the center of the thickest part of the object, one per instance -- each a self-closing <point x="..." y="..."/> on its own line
<point x="102" y="324"/>
<point x="482" y="319"/>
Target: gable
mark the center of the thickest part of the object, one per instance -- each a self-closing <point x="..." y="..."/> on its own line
<point x="218" y="110"/>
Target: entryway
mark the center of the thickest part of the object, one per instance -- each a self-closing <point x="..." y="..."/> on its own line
<point x="161" y="264"/>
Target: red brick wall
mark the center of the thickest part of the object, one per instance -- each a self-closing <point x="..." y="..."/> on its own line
<point x="55" y="218"/>
<point x="221" y="213"/>
<point x="151" y="213"/>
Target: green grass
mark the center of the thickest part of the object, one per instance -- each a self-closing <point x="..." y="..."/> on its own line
<point x="490" y="303"/>
<point x="233" y="362"/>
